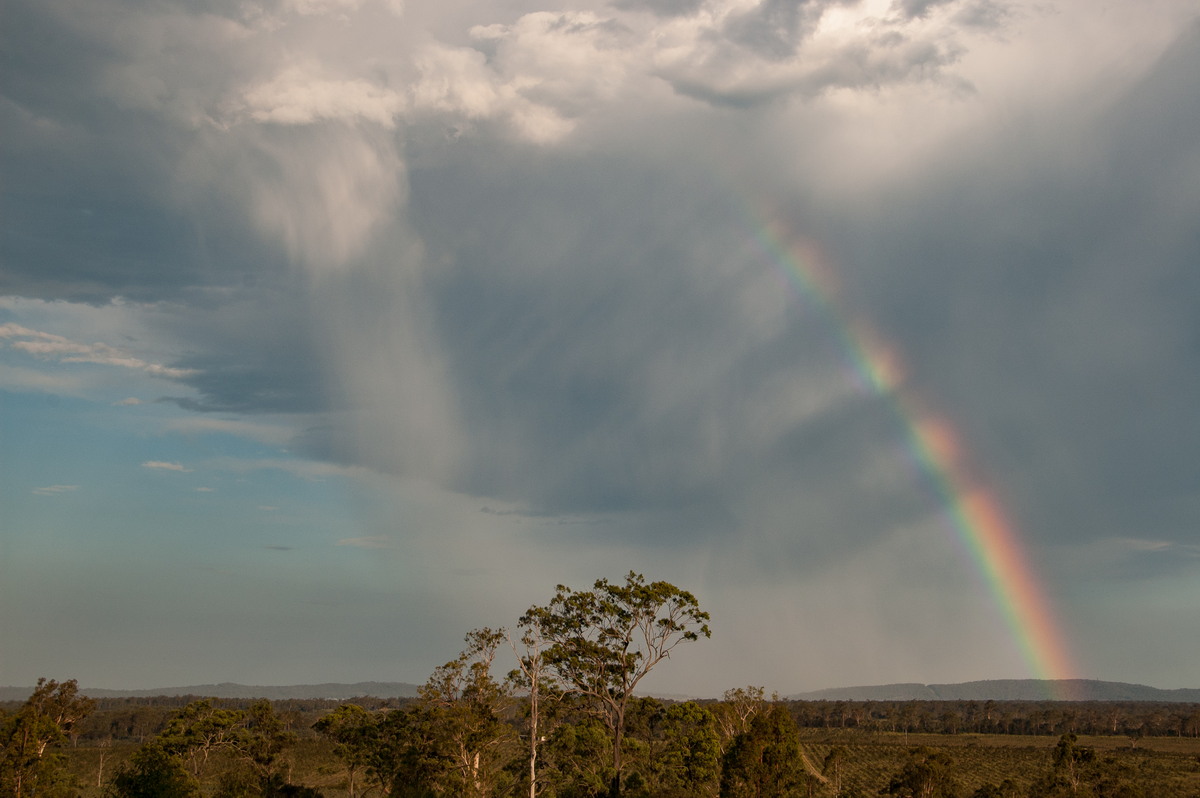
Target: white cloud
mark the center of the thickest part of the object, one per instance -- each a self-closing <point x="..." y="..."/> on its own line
<point x="128" y="402"/>
<point x="341" y="10"/>
<point x="858" y="47"/>
<point x="321" y="190"/>
<point x="300" y="95"/>
<point x="54" y="490"/>
<point x="544" y="71"/>
<point x="321" y="7"/>
<point x="48" y="346"/>
<point x="163" y="466"/>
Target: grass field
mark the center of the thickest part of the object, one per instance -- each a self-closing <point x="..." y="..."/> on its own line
<point x="1164" y="767"/>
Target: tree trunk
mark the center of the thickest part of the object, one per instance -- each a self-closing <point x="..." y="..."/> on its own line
<point x="533" y="741"/>
<point x="614" y="790"/>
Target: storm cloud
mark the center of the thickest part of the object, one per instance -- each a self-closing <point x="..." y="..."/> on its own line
<point x="484" y="298"/>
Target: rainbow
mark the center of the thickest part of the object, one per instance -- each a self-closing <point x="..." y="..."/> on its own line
<point x="993" y="542"/>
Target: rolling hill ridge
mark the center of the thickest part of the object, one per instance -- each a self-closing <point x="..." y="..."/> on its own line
<point x="1005" y="690"/>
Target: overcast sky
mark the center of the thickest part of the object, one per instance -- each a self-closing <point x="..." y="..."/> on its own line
<point x="332" y="329"/>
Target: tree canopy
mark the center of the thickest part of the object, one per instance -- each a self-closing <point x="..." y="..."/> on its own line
<point x="604" y="641"/>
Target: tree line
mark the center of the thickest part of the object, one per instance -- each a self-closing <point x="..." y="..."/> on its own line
<point x="565" y="722"/>
<point x="1054" y="718"/>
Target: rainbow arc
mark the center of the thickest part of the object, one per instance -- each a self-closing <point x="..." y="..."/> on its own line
<point x="973" y="511"/>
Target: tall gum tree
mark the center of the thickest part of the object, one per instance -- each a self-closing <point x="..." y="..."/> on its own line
<point x="604" y="641"/>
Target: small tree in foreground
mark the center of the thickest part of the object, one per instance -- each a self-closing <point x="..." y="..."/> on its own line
<point x="765" y="760"/>
<point x="736" y="709"/>
<point x="463" y="703"/>
<point x="198" y="731"/>
<point x="353" y="733"/>
<point x="926" y="774"/>
<point x="153" y="773"/>
<point x="604" y="641"/>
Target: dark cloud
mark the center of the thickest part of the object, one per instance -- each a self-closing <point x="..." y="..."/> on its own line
<point x="774" y="28"/>
<point x="916" y="8"/>
<point x="1048" y="299"/>
<point x="91" y="208"/>
<point x="610" y="360"/>
<point x="663" y="8"/>
<point x="556" y="333"/>
<point x="255" y="355"/>
<point x="889" y="57"/>
<point x="984" y="14"/>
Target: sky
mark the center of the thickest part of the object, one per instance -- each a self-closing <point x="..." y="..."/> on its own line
<point x="333" y="329"/>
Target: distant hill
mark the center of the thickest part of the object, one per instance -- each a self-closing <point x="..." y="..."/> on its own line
<point x="1005" y="690"/>
<point x="230" y="690"/>
<point x="995" y="690"/>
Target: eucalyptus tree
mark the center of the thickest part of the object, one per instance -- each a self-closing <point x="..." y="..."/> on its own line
<point x="534" y="676"/>
<point x="688" y="765"/>
<point x="199" y="730"/>
<point x="604" y="641"/>
<point x="737" y="708"/>
<point x="765" y="761"/>
<point x="261" y="741"/>
<point x="926" y="774"/>
<point x="354" y="734"/>
<point x="153" y="772"/>
<point x="465" y="704"/>
<point x="43" y="721"/>
<point x="833" y="767"/>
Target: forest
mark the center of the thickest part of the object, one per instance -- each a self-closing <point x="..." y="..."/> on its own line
<point x="568" y="722"/>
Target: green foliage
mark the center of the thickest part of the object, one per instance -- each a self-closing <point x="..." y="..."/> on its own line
<point x="354" y="734"/>
<point x="243" y="784"/>
<point x="1076" y="771"/>
<point x="1006" y="789"/>
<point x="27" y="766"/>
<point x="670" y="750"/>
<point x="261" y="739"/>
<point x="462" y="704"/>
<point x="603" y="642"/>
<point x="152" y="772"/>
<point x="533" y="675"/>
<point x="689" y="762"/>
<point x="576" y="761"/>
<point x="765" y="760"/>
<point x="737" y="708"/>
<point x="1160" y="767"/>
<point x="926" y="774"/>
<point x="252" y="740"/>
<point x="833" y="766"/>
<point x="199" y="730"/>
<point x="404" y="760"/>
